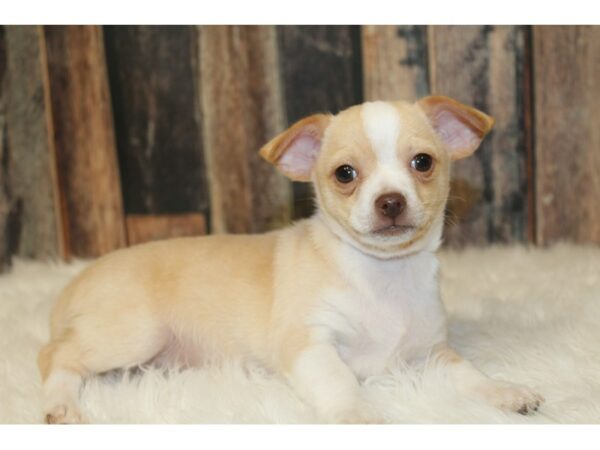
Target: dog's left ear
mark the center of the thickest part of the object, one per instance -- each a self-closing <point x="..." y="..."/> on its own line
<point x="460" y="127"/>
<point x="295" y="151"/>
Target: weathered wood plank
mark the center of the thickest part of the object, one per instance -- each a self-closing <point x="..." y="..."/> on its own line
<point x="29" y="215"/>
<point x="483" y="66"/>
<point x="567" y="132"/>
<point x="241" y="110"/>
<point x="144" y="227"/>
<point x="85" y="141"/>
<point x="321" y="72"/>
<point x="320" y="67"/>
<point x="152" y="73"/>
<point x="528" y="134"/>
<point x="5" y="241"/>
<point x="395" y="62"/>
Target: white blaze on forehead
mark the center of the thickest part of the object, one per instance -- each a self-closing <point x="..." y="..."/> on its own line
<point x="381" y="122"/>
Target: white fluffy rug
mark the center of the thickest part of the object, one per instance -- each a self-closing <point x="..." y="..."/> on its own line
<point x="526" y="315"/>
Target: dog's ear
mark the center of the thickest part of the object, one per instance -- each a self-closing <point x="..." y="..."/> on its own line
<point x="295" y="151"/>
<point x="460" y="127"/>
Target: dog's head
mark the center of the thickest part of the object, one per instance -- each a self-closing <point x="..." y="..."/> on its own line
<point x="381" y="169"/>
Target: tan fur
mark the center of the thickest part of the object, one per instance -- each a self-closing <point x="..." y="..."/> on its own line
<point x="345" y="143"/>
<point x="183" y="284"/>
<point x="194" y="300"/>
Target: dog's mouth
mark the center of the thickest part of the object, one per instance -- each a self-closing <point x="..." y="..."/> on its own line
<point x="393" y="229"/>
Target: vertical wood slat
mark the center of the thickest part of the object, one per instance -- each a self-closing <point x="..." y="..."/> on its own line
<point x="395" y="62"/>
<point x="30" y="224"/>
<point x="321" y="72"/>
<point x="85" y="141"/>
<point x="528" y="135"/>
<point x="320" y="68"/>
<point x="152" y="79"/>
<point x="483" y="66"/>
<point x="242" y="110"/>
<point x="5" y="247"/>
<point x="567" y="132"/>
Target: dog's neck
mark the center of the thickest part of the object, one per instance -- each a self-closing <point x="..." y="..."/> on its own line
<point x="373" y="276"/>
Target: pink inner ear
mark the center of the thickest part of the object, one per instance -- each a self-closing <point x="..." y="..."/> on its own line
<point x="300" y="157"/>
<point x="457" y="136"/>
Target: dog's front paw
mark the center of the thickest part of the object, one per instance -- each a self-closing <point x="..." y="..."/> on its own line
<point x="512" y="397"/>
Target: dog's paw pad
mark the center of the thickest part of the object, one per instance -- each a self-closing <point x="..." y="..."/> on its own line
<point x="529" y="408"/>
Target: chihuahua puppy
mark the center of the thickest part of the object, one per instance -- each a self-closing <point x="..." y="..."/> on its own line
<point x="326" y="302"/>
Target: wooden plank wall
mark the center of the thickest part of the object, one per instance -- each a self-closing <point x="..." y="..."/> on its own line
<point x="110" y="136"/>
<point x="567" y="132"/>
<point x="86" y="157"/>
<point x="30" y="222"/>
<point x="6" y="249"/>
<point x="241" y="106"/>
<point x="395" y="62"/>
<point x="157" y="121"/>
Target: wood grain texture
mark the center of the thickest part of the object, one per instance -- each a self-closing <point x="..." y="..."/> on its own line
<point x="320" y="72"/>
<point x="145" y="227"/>
<point x="395" y="62"/>
<point x="85" y="141"/>
<point x="241" y="110"/>
<point x="567" y="132"/>
<point x="152" y="73"/>
<point x="483" y="66"/>
<point x="5" y="204"/>
<point x="528" y="135"/>
<point x="29" y="217"/>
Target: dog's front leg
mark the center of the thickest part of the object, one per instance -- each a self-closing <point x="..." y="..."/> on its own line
<point x="472" y="382"/>
<point x="323" y="380"/>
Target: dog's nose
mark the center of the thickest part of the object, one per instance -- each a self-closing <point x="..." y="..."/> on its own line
<point x="390" y="205"/>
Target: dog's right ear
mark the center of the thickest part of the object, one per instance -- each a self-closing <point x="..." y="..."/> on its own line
<point x="295" y="151"/>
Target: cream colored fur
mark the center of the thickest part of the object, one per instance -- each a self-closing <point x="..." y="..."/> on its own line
<point x="325" y="303"/>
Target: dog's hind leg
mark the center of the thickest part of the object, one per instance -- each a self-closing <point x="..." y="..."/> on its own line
<point x="62" y="377"/>
<point x="90" y="350"/>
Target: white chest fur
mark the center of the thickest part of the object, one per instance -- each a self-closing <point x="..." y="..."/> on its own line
<point x="389" y="310"/>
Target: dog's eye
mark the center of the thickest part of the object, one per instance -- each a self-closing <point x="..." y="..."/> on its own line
<point x="345" y="174"/>
<point x="422" y="162"/>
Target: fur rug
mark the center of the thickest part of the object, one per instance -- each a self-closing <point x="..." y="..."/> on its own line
<point x="526" y="315"/>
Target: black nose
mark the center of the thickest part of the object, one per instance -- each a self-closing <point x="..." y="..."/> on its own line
<point x="390" y="205"/>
